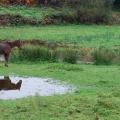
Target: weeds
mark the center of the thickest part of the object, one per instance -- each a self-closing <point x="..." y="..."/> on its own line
<point x="103" y="56"/>
<point x="70" y="56"/>
<point x="99" y="56"/>
<point x="37" y="53"/>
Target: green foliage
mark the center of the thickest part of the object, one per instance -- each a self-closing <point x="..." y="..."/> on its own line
<point x="103" y="56"/>
<point x="70" y="56"/>
<point x="78" y="11"/>
<point x="38" y="53"/>
<point x="84" y="11"/>
<point x="34" y="53"/>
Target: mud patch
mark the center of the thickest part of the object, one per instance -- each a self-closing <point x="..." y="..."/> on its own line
<point x="34" y="86"/>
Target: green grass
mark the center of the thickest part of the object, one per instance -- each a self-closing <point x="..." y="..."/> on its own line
<point x="75" y="74"/>
<point x="29" y="12"/>
<point x="98" y="87"/>
<point x="37" y="13"/>
<point x="84" y="35"/>
<point x="98" y="93"/>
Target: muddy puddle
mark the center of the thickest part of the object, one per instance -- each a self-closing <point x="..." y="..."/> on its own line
<point x="14" y="87"/>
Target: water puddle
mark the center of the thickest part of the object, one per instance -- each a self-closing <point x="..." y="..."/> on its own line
<point x="14" y="87"/>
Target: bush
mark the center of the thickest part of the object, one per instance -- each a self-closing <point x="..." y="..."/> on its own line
<point x="38" y="53"/>
<point x="103" y="56"/>
<point x="31" y="53"/>
<point x="34" y="53"/>
<point x="83" y="11"/>
<point x="70" y="56"/>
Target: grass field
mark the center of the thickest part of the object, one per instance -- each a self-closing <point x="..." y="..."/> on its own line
<point x="98" y="87"/>
<point x="98" y="93"/>
<point x="29" y="12"/>
<point x="36" y="13"/>
<point x="84" y="35"/>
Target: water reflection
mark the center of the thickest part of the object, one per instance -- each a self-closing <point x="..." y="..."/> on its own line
<point x="6" y="84"/>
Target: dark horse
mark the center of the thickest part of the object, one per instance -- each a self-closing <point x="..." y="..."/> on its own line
<point x="6" y="47"/>
<point x="6" y="84"/>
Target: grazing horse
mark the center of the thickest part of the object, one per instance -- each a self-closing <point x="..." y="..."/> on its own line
<point x="6" y="84"/>
<point x="5" y="49"/>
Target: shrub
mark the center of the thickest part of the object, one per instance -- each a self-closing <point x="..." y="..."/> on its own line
<point x="70" y="56"/>
<point x="37" y="53"/>
<point x="116" y="59"/>
<point x="83" y="11"/>
<point x="86" y="54"/>
<point x="103" y="56"/>
<point x="34" y="53"/>
<point x="31" y="53"/>
<point x="14" y="55"/>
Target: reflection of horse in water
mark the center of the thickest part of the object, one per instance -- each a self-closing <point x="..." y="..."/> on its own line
<point x="6" y="84"/>
<point x="5" y="49"/>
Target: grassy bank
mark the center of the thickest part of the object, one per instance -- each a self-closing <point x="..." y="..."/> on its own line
<point x="75" y="74"/>
<point x="57" y="15"/>
<point x="83" y="35"/>
<point x="97" y="94"/>
<point x="29" y="12"/>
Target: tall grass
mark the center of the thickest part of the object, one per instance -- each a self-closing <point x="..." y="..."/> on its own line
<point x="37" y="53"/>
<point x="71" y="56"/>
<point x="103" y="56"/>
<point x="98" y="56"/>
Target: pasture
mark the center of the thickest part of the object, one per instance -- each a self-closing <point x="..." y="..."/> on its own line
<point x="97" y="93"/>
<point x="81" y="35"/>
<point x="88" y="59"/>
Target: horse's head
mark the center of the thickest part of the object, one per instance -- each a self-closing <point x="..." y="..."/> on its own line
<point x="18" y="85"/>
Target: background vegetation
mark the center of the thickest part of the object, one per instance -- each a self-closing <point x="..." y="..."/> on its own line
<point x="62" y="11"/>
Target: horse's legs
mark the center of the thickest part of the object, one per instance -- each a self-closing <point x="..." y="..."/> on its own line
<point x="6" y="59"/>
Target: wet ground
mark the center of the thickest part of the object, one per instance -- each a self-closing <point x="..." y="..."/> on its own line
<point x="32" y="86"/>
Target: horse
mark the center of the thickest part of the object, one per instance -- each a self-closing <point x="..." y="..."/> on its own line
<point x="6" y="47"/>
<point x="6" y="84"/>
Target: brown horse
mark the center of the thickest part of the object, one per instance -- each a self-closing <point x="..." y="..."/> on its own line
<point x="6" y="84"/>
<point x="6" y="47"/>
